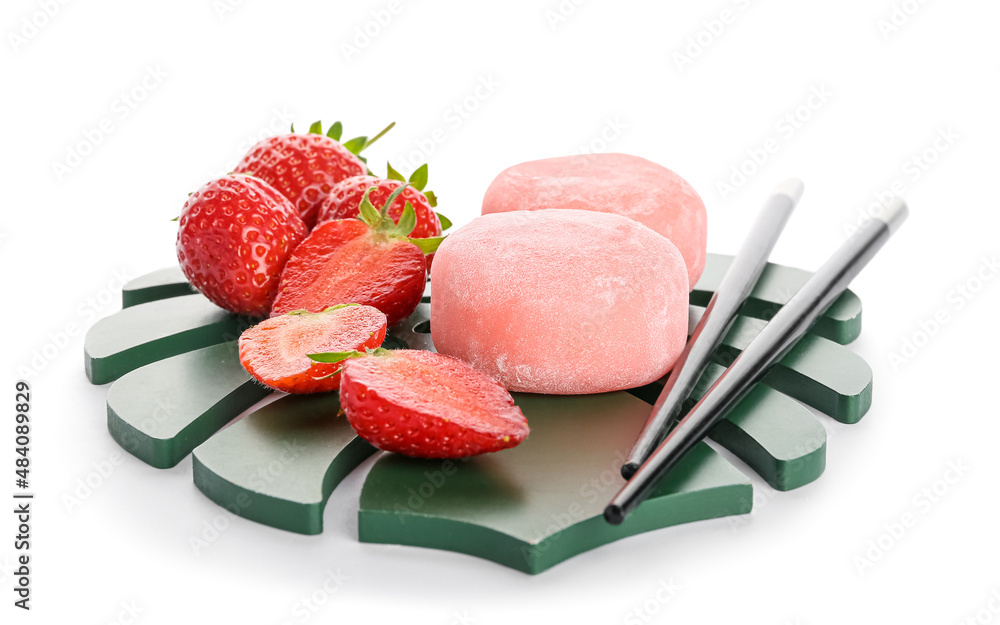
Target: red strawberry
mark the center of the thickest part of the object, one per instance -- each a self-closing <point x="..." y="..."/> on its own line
<point x="427" y="405"/>
<point x="345" y="198"/>
<point x="235" y="235"/>
<point x="275" y="350"/>
<point x="370" y="261"/>
<point x="304" y="167"/>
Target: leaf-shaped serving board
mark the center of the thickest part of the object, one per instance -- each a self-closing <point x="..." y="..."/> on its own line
<point x="279" y="465"/>
<point x="542" y="501"/>
<point x="162" y="411"/>
<point x="178" y="383"/>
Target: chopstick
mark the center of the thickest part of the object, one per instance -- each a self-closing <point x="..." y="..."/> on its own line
<point x="790" y="323"/>
<point x="719" y="315"/>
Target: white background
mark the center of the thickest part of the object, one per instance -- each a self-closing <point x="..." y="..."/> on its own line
<point x="216" y="79"/>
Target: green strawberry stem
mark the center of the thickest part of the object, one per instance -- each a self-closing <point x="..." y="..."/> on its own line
<point x="378" y="136"/>
<point x="335" y="357"/>
<point x="356" y="145"/>
<point x="379" y="221"/>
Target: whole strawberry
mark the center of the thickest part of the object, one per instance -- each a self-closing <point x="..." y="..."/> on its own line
<point x="304" y="167"/>
<point x="370" y="261"/>
<point x="425" y="404"/>
<point x="235" y="235"/>
<point x="345" y="198"/>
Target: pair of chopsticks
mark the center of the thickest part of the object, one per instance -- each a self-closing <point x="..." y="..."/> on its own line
<point x="660" y="446"/>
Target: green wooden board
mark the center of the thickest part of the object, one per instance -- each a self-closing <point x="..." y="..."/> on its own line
<point x="298" y="450"/>
<point x="161" y="412"/>
<point x="542" y="502"/>
<point x="817" y="371"/>
<point x="279" y="464"/>
<point x="145" y="333"/>
<point x="776" y="285"/>
<point x="413" y="332"/>
<point x="775" y="435"/>
<point x="156" y="285"/>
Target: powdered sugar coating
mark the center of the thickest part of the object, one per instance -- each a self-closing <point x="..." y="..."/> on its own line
<point x="612" y="183"/>
<point x="560" y="301"/>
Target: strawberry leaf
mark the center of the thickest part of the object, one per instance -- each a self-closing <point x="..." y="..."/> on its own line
<point x="338" y="307"/>
<point x="392" y="174"/>
<point x="316" y="128"/>
<point x="369" y="214"/>
<point x="355" y="145"/>
<point x="336" y="130"/>
<point x="379" y="220"/>
<point x="292" y="127"/>
<point x="445" y="222"/>
<point x="428" y="245"/>
<point x="329" y="375"/>
<point x="431" y="198"/>
<point x="419" y="177"/>
<point x="407" y="221"/>
<point x="387" y="222"/>
<point x="334" y="357"/>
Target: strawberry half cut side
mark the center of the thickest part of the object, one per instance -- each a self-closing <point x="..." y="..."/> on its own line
<point x="370" y="261"/>
<point x="275" y="351"/>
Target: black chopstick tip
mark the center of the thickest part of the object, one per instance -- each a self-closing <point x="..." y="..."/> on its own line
<point x="629" y="469"/>
<point x="614" y="514"/>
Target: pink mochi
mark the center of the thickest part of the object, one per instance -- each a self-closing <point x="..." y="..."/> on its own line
<point x="609" y="183"/>
<point x="560" y="301"/>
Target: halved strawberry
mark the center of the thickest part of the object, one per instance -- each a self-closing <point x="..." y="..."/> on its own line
<point x="370" y="261"/>
<point x="345" y="197"/>
<point x="275" y="350"/>
<point x="426" y="405"/>
<point x="304" y="167"/>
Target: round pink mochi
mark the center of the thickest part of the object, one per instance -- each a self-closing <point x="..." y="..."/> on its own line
<point x="560" y="301"/>
<point x="609" y="183"/>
